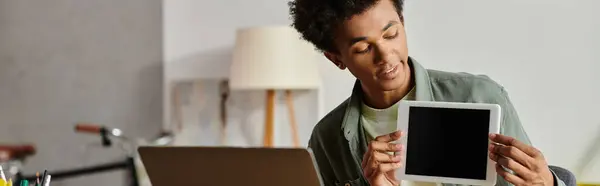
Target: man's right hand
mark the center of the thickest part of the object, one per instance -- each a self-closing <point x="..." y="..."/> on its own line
<point x="381" y="160"/>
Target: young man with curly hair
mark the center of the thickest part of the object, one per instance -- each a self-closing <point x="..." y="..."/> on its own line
<point x="351" y="144"/>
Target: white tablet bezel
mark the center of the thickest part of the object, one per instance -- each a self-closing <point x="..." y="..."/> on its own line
<point x="494" y="127"/>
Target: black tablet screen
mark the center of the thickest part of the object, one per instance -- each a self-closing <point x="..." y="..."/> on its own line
<point x="447" y="142"/>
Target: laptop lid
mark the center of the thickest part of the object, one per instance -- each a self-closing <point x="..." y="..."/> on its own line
<point x="225" y="166"/>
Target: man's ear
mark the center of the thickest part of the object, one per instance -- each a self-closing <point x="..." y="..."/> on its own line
<point x="335" y="59"/>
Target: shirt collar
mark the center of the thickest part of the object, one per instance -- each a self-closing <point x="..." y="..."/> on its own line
<point x="389" y="114"/>
<point x="350" y="123"/>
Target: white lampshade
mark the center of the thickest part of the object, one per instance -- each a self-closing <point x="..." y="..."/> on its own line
<point x="273" y="57"/>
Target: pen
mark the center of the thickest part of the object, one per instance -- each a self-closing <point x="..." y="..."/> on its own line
<point x="2" y="174"/>
<point x="37" y="179"/>
<point x="44" y="177"/>
<point x="47" y="181"/>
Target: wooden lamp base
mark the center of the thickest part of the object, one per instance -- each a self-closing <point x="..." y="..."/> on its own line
<point x="269" y="114"/>
<point x="269" y="117"/>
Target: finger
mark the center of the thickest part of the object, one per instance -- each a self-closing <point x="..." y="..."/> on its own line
<point x="512" y="153"/>
<point x="368" y="172"/>
<point x="389" y="137"/>
<point x="366" y="158"/>
<point x="519" y="169"/>
<point x="385" y="146"/>
<point x="510" y="141"/>
<point x="368" y="169"/>
<point x="382" y="157"/>
<point x="379" y="158"/>
<point x="511" y="178"/>
<point x="386" y="167"/>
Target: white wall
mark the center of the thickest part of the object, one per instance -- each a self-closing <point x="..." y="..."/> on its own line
<point x="69" y="61"/>
<point x="198" y="41"/>
<point x="542" y="51"/>
<point x="545" y="52"/>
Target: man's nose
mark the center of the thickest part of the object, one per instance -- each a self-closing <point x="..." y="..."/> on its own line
<point x="382" y="53"/>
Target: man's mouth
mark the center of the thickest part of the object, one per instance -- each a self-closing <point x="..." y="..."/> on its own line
<point x="391" y="69"/>
<point x="388" y="73"/>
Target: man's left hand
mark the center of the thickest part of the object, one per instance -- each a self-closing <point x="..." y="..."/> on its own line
<point x="527" y="163"/>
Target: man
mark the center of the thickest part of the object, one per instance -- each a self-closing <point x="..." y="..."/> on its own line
<point x="352" y="143"/>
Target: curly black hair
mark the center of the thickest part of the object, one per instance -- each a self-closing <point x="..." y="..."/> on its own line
<point x="316" y="20"/>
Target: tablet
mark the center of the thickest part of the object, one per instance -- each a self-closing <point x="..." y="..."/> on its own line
<point x="447" y="142"/>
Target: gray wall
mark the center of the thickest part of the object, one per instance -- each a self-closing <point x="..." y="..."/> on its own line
<point x="65" y="61"/>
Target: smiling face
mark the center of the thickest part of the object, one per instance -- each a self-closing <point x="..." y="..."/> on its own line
<point x="372" y="45"/>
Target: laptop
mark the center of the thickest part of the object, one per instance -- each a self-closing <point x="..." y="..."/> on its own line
<point x="230" y="166"/>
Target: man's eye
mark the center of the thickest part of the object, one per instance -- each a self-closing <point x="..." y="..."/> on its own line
<point x="392" y="36"/>
<point x="365" y="50"/>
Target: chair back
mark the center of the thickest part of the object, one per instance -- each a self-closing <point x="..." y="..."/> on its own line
<point x="565" y="175"/>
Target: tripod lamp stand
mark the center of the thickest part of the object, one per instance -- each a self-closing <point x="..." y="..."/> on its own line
<point x="273" y="58"/>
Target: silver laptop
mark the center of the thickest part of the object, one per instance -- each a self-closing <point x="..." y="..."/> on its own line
<point x="229" y="166"/>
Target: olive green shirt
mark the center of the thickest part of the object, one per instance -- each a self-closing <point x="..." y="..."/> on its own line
<point x="338" y="141"/>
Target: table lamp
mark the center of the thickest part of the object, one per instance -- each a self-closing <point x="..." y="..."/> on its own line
<point x="273" y="58"/>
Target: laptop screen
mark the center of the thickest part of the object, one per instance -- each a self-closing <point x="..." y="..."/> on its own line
<point x="447" y="142"/>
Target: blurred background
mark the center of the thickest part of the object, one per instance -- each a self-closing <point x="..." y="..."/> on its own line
<point x="151" y="66"/>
